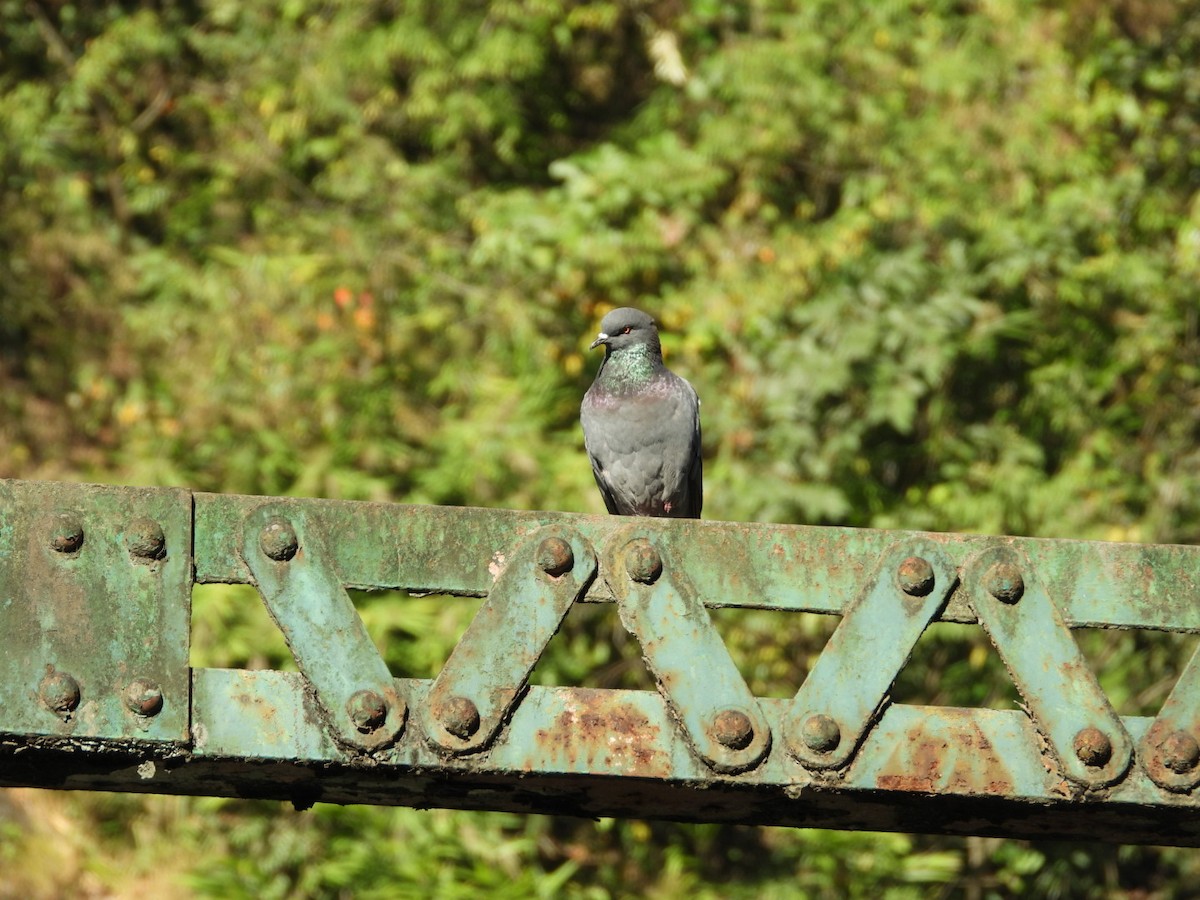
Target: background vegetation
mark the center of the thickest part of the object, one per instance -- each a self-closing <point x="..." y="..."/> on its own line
<point x="929" y="265"/>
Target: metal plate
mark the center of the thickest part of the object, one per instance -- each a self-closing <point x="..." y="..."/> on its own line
<point x="95" y="600"/>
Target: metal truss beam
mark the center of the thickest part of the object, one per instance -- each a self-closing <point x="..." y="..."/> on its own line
<point x="96" y="691"/>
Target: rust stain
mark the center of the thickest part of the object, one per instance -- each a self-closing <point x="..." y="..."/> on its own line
<point x="266" y="715"/>
<point x="962" y="762"/>
<point x="599" y="734"/>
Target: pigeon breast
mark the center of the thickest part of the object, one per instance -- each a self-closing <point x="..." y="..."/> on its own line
<point x="644" y="444"/>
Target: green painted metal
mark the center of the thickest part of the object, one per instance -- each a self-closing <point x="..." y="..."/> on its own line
<point x="1171" y="748"/>
<point x="535" y="586"/>
<point x="1064" y="698"/>
<point x="592" y="752"/>
<point x="843" y="693"/>
<point x="95" y="600"/>
<point x="659" y="606"/>
<point x="786" y="567"/>
<point x="95" y="691"/>
<point x="286" y="554"/>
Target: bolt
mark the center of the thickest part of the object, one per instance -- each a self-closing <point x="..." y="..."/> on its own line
<point x="146" y="539"/>
<point x="1180" y="752"/>
<point x="642" y="561"/>
<point x="916" y="576"/>
<point x="67" y="536"/>
<point x="144" y="697"/>
<point x="60" y="692"/>
<point x="554" y="557"/>
<point x="460" y="717"/>
<point x="1093" y="747"/>
<point x="278" y="540"/>
<point x="367" y="710"/>
<point x="821" y="733"/>
<point x="732" y="728"/>
<point x="1003" y="581"/>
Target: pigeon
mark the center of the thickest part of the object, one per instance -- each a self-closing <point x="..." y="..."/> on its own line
<point x="641" y="424"/>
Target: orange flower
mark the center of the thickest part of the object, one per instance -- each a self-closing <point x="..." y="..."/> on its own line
<point x="364" y="318"/>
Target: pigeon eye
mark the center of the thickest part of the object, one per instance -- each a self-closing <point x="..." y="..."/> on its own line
<point x="627" y="329"/>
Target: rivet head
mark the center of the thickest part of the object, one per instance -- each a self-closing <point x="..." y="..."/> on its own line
<point x="144" y="697"/>
<point x="555" y="557"/>
<point x="367" y="710"/>
<point x="459" y="716"/>
<point x="278" y="540"/>
<point x="1180" y="752"/>
<point x="1093" y="747"/>
<point x="821" y="733"/>
<point x="145" y="539"/>
<point x="60" y="693"/>
<point x="642" y="561"/>
<point x="915" y="576"/>
<point x="1004" y="582"/>
<point x="66" y="534"/>
<point x="733" y="729"/>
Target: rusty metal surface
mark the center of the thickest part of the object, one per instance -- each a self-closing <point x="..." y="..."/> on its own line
<point x="1171" y="747"/>
<point x="1060" y="691"/>
<point x="707" y="695"/>
<point x="535" y="585"/>
<point x="95" y="599"/>
<point x="589" y="752"/>
<point x="838" y="701"/>
<point x="95" y="691"/>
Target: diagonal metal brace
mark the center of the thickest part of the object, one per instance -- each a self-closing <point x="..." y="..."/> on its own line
<point x="696" y="676"/>
<point x="839" y="700"/>
<point x="1170" y="750"/>
<point x="1068" y="707"/>
<point x="284" y="551"/>
<point x="491" y="663"/>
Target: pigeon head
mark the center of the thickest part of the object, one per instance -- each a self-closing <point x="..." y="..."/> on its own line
<point x="626" y="327"/>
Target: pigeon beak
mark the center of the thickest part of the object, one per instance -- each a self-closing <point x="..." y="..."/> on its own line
<point x="601" y="338"/>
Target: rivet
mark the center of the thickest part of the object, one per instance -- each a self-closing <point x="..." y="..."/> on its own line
<point x="1180" y="752"/>
<point x="642" y="561"/>
<point x="278" y="540"/>
<point x="145" y="539"/>
<point x="60" y="693"/>
<point x="555" y="557"/>
<point x="733" y="729"/>
<point x="1093" y="747"/>
<point x="916" y="576"/>
<point x="367" y="710"/>
<point x="821" y="733"/>
<point x="67" y="534"/>
<point x="1004" y="582"/>
<point x="459" y="716"/>
<point x="144" y="697"/>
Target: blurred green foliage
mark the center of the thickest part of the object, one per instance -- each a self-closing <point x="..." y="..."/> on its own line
<point x="929" y="265"/>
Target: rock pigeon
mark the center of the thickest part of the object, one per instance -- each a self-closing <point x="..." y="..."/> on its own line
<point x="641" y="424"/>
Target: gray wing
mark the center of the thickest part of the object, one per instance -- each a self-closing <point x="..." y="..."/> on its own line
<point x="645" y="449"/>
<point x="599" y="451"/>
<point x="694" y="490"/>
